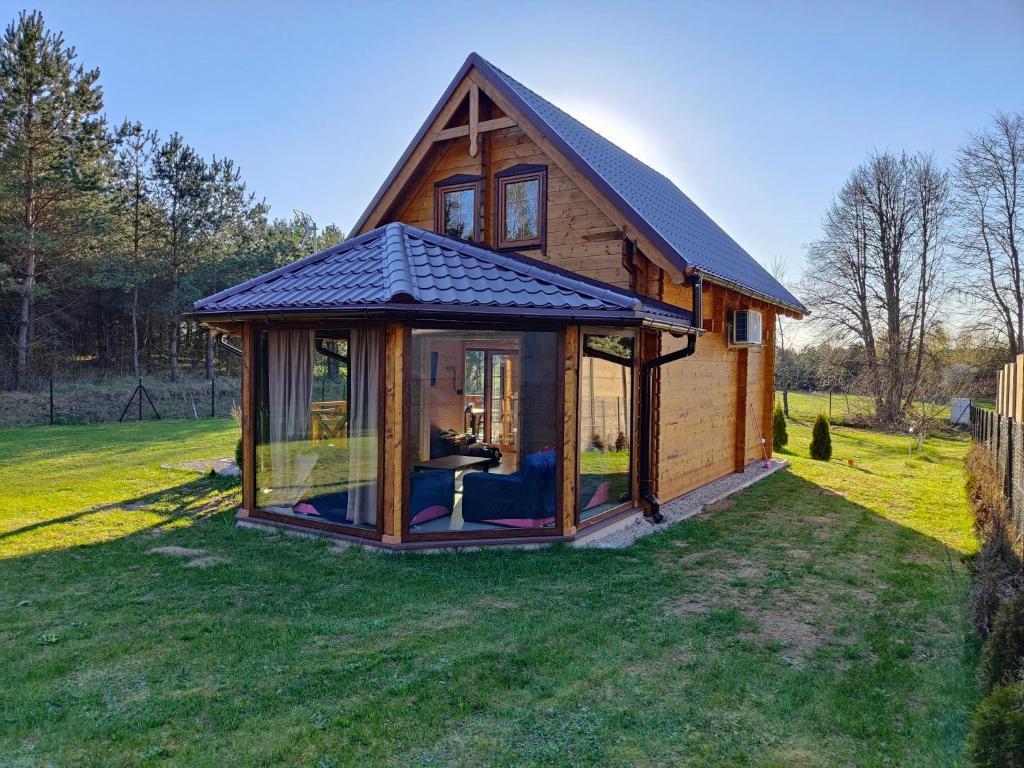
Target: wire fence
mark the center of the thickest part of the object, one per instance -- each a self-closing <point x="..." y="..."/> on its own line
<point x="1003" y="438"/>
<point x="78" y="402"/>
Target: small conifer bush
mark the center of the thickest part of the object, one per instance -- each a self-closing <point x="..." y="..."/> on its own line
<point x="238" y="454"/>
<point x="996" y="738"/>
<point x="1002" y="661"/>
<point x="780" y="436"/>
<point x="821" y="439"/>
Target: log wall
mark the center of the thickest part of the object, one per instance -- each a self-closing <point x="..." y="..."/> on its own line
<point x="579" y="236"/>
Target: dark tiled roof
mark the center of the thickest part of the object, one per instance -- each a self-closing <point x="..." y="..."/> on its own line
<point x="404" y="269"/>
<point x="652" y="203"/>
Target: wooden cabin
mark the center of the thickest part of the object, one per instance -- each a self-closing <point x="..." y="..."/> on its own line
<point x="528" y="334"/>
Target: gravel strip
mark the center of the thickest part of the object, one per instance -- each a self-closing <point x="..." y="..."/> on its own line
<point x="687" y="505"/>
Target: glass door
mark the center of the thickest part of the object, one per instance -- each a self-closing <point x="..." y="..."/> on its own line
<point x="503" y="399"/>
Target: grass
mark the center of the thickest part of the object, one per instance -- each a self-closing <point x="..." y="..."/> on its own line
<point x="805" y="406"/>
<point x="814" y="620"/>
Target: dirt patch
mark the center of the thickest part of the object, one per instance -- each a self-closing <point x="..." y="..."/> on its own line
<point x="686" y="605"/>
<point x="207" y="561"/>
<point x="786" y="627"/>
<point x="797" y="554"/>
<point x="745" y="569"/>
<point x="173" y="551"/>
<point x="820" y="519"/>
<point x="137" y="507"/>
<point x="498" y="604"/>
<point x="718" y="506"/>
<point x="919" y="558"/>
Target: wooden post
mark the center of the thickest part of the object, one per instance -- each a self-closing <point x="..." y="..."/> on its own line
<point x="393" y="464"/>
<point x="1018" y="390"/>
<point x="768" y="371"/>
<point x="740" y="447"/>
<point x="570" y="428"/>
<point x="248" y="419"/>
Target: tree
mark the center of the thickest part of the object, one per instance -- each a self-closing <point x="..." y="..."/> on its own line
<point x="183" y="191"/>
<point x="133" y="199"/>
<point x="821" y="439"/>
<point x="873" y="275"/>
<point x="785" y="365"/>
<point x="52" y="138"/>
<point x="990" y="203"/>
<point x="780" y="436"/>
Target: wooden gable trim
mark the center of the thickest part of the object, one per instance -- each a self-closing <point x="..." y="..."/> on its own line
<point x="401" y="182"/>
<point x="469" y="87"/>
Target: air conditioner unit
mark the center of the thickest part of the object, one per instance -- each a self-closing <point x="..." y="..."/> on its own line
<point x="745" y="330"/>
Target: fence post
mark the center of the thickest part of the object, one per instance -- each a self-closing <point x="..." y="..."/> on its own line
<point x="51" y="401"/>
<point x="1008" y="478"/>
<point x="213" y="396"/>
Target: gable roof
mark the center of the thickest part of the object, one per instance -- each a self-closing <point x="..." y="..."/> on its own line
<point x="655" y="206"/>
<point x="402" y="269"/>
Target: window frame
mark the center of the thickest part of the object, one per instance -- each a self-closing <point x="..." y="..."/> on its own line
<point x="634" y="376"/>
<point x="557" y="532"/>
<point x="502" y="179"/>
<point x="339" y="329"/>
<point x="459" y="183"/>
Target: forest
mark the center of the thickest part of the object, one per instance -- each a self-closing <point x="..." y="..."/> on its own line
<point x="109" y="231"/>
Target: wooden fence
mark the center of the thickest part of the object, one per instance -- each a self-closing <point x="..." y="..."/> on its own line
<point x="1002" y="433"/>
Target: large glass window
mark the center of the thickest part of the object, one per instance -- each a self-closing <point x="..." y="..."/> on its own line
<point x="484" y="431"/>
<point x="316" y="425"/>
<point x="605" y="418"/>
<point x="521" y="208"/>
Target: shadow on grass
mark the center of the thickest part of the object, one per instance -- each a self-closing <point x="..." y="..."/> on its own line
<point x="794" y="612"/>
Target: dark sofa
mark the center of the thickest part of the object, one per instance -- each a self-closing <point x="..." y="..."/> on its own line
<point x="523" y="499"/>
<point x="434" y="491"/>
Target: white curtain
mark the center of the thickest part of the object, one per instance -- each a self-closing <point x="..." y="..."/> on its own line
<point x="290" y="395"/>
<point x="364" y="394"/>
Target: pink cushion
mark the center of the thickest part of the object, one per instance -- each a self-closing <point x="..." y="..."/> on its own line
<point x="522" y="522"/>
<point x="600" y="495"/>
<point x="430" y="513"/>
<point x="305" y="508"/>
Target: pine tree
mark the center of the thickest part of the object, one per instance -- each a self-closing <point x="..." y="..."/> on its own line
<point x="133" y="192"/>
<point x="780" y="436"/>
<point x="183" y="185"/>
<point x="821" y="439"/>
<point x="52" y="139"/>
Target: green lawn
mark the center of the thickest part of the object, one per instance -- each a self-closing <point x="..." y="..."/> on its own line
<point x="815" y="621"/>
<point x="805" y="406"/>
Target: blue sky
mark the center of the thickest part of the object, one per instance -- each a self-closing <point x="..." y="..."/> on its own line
<point x="757" y="110"/>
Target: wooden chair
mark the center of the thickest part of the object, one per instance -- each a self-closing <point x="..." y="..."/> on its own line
<point x="329" y="420"/>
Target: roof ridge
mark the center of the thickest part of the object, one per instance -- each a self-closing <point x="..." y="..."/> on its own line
<point x="398" y="277"/>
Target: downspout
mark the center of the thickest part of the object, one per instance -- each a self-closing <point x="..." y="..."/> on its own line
<point x="646" y="480"/>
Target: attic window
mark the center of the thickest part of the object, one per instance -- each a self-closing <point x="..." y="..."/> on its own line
<point x="521" y="195"/>
<point x="457" y="207"/>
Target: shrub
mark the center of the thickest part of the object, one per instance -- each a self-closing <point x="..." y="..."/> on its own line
<point x="996" y="738"/>
<point x="821" y="439"/>
<point x="620" y="443"/>
<point x="780" y="436"/>
<point x="1002" y="660"/>
<point x="597" y="441"/>
<point x="984" y="489"/>
<point x="238" y="453"/>
<point x="997" y="576"/>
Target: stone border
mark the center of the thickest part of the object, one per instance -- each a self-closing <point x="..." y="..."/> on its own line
<point x="687" y="505"/>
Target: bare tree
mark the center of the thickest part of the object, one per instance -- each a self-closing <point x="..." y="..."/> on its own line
<point x="784" y="363"/>
<point x="872" y="277"/>
<point x="990" y="204"/>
